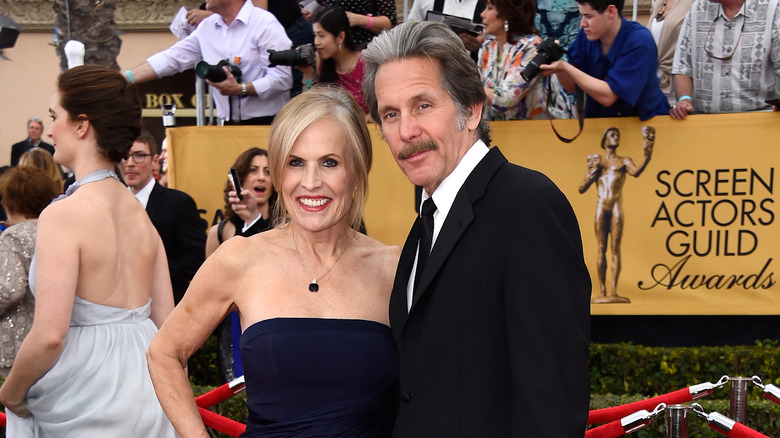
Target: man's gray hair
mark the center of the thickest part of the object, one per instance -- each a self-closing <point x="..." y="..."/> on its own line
<point x="426" y="39"/>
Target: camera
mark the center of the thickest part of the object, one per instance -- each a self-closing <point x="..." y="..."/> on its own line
<point x="214" y="73"/>
<point x="548" y="51"/>
<point x="301" y="55"/>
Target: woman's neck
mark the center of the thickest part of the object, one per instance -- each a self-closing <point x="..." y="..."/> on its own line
<point x="346" y="61"/>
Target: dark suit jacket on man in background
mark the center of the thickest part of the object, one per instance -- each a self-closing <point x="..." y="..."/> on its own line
<point x="500" y="314"/>
<point x="18" y="149"/>
<point x="183" y="233"/>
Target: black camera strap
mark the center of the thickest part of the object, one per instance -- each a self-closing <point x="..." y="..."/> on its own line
<point x="579" y="100"/>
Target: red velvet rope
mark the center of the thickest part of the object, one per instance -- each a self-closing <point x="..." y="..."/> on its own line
<point x="609" y="430"/>
<point x="599" y="416"/>
<point x="218" y="395"/>
<point x="741" y="431"/>
<point x="2" y="419"/>
<point x="220" y="423"/>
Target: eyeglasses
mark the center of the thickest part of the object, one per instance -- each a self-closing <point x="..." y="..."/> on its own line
<point x="138" y="157"/>
<point x="727" y="56"/>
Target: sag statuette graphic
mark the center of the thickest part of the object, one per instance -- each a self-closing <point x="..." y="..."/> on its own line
<point x="609" y="175"/>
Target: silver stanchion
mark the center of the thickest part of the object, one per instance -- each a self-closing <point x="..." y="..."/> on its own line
<point x="738" y="407"/>
<point x="677" y="421"/>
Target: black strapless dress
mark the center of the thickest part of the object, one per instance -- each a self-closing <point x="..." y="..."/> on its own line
<point x="309" y="377"/>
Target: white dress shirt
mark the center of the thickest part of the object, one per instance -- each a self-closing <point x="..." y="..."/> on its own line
<point x="444" y="197"/>
<point x="249" y="37"/>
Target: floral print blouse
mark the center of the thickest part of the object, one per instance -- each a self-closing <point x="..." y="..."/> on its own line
<point x="513" y="97"/>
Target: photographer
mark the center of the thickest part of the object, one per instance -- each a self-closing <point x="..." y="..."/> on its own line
<point x="614" y="61"/>
<point x="241" y="34"/>
<point x="511" y="46"/>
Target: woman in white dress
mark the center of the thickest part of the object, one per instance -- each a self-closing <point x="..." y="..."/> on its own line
<point x="100" y="278"/>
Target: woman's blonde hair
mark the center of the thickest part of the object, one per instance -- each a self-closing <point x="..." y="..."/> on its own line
<point x="322" y="102"/>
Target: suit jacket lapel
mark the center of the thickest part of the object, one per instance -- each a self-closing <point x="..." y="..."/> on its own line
<point x="155" y="201"/>
<point x="458" y="219"/>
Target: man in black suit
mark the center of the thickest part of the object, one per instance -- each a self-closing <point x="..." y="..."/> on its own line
<point x="493" y="338"/>
<point x="34" y="134"/>
<point x="172" y="212"/>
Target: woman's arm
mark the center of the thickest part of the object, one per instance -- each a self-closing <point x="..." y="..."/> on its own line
<point x="162" y="291"/>
<point x="57" y="254"/>
<point x="206" y="303"/>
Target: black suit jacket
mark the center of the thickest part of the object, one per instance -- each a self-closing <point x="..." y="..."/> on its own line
<point x="183" y="233"/>
<point x="23" y="146"/>
<point x="496" y="342"/>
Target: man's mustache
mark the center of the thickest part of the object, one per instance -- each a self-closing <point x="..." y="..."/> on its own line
<point x="417" y="147"/>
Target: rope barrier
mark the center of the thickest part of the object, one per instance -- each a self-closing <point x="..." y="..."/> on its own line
<point x="598" y="416"/>
<point x="221" y="393"/>
<point x="220" y="423"/>
<point x="609" y="430"/>
<point x="725" y="425"/>
<point x="2" y="419"/>
<point x="628" y="424"/>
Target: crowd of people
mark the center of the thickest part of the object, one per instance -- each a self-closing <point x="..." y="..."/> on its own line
<point x="336" y="333"/>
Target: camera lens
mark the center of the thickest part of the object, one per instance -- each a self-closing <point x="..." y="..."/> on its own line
<point x="214" y="73"/>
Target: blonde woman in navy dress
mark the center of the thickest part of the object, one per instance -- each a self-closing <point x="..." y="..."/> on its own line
<point x="312" y="294"/>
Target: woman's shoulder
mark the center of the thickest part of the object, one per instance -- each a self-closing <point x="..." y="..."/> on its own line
<point x="21" y="233"/>
<point x="376" y="248"/>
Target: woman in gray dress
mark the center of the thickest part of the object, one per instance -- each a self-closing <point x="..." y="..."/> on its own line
<point x="25" y="191"/>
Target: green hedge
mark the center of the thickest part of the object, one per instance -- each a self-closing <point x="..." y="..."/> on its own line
<point x="635" y="369"/>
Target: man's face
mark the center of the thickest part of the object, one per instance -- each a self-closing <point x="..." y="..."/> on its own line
<point x="420" y="121"/>
<point x="594" y="24"/>
<point x="137" y="175"/>
<point x="34" y="130"/>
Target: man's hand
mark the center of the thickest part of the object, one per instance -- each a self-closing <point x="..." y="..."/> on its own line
<point x="195" y="16"/>
<point x="228" y="87"/>
<point x="681" y="110"/>
<point x="246" y="209"/>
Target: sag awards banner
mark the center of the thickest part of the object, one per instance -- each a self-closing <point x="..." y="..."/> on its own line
<point x="677" y="217"/>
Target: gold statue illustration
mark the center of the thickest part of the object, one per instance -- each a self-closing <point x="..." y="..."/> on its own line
<point x="609" y="174"/>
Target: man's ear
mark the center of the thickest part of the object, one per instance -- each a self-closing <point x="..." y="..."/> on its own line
<point x="612" y="12"/>
<point x="475" y="116"/>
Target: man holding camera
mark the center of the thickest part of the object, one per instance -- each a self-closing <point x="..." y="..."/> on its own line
<point x="234" y="40"/>
<point x="614" y="61"/>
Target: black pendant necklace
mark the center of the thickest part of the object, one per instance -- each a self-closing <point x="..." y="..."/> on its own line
<point x="313" y="286"/>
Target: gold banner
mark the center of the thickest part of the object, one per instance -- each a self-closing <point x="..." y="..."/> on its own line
<point x="693" y="234"/>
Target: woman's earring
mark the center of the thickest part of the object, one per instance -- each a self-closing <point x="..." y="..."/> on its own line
<point x="506" y="26"/>
<point x="339" y="46"/>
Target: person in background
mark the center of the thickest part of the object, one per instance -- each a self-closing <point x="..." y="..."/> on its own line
<point x="727" y="58"/>
<point x="507" y="51"/>
<point x="99" y="276"/>
<point x="468" y="9"/>
<point x="241" y="34"/>
<point x="173" y="213"/>
<point x="25" y="192"/>
<point x="614" y="61"/>
<point x="245" y="218"/>
<point x="338" y="57"/>
<point x="312" y="293"/>
<point x="666" y="17"/>
<point x="289" y="15"/>
<point x="367" y="18"/>
<point x="37" y="157"/>
<point x="34" y="134"/>
<point x="490" y="306"/>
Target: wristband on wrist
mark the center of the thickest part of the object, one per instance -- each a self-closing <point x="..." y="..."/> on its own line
<point x="130" y="77"/>
<point x="370" y="21"/>
<point x="686" y="97"/>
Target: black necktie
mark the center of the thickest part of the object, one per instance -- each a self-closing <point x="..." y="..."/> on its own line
<point x="426" y="238"/>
